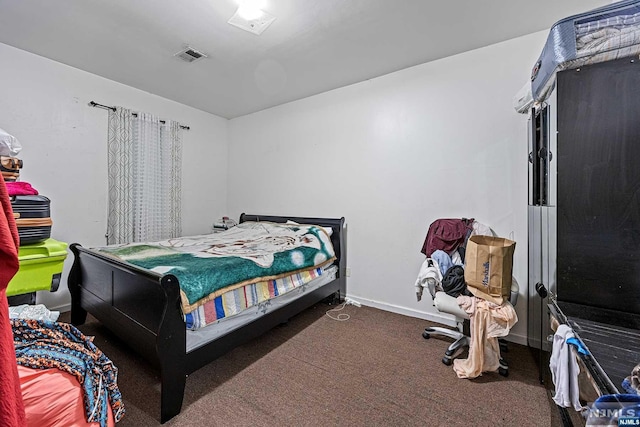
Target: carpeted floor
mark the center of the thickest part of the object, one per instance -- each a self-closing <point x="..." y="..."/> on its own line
<point x="373" y="370"/>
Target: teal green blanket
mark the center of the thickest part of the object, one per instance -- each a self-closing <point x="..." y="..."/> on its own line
<point x="209" y="265"/>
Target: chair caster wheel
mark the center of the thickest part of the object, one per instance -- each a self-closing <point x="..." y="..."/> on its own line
<point x="426" y="335"/>
<point x="447" y="361"/>
<point x="503" y="371"/>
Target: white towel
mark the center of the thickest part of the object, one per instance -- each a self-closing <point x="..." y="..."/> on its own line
<point x="564" y="370"/>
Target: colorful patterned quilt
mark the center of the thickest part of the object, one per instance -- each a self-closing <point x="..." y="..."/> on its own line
<point x="209" y="265"/>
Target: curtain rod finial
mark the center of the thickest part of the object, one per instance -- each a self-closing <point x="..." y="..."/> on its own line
<point x="106" y="107"/>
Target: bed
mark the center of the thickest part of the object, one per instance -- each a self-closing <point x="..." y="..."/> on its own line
<point x="145" y="309"/>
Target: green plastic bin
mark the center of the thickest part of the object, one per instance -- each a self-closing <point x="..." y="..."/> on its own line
<point x="40" y="267"/>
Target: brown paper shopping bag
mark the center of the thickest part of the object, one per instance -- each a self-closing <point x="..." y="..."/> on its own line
<point x="489" y="267"/>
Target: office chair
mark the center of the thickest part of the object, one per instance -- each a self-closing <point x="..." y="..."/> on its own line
<point x="448" y="304"/>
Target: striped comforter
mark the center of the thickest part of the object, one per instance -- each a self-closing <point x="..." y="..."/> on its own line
<point x="239" y="299"/>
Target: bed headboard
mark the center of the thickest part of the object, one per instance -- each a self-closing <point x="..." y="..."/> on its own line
<point x="338" y="237"/>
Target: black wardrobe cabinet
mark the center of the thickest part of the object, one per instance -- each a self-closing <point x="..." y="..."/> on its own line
<point x="584" y="212"/>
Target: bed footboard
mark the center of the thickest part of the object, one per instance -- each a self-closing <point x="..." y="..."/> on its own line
<point x="142" y="308"/>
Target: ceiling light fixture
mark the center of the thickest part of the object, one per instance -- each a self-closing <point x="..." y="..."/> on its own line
<point x="248" y="13"/>
<point x="250" y="17"/>
<point x="250" y="9"/>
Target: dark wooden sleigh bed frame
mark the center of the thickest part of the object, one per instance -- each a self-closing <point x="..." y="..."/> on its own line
<point x="143" y="309"/>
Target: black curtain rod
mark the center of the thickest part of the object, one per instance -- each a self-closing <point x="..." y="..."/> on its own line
<point x="106" y="107"/>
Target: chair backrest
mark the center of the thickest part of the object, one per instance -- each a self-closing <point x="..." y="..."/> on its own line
<point x="515" y="291"/>
<point x="513" y="297"/>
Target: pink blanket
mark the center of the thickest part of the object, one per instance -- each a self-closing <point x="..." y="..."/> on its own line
<point x="53" y="398"/>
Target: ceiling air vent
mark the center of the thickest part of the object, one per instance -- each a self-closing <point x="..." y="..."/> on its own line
<point x="189" y="54"/>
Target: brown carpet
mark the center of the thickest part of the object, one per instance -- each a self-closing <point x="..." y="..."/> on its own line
<point x="374" y="369"/>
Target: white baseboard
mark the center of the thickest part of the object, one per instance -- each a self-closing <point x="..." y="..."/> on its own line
<point x="432" y="317"/>
<point x="442" y="318"/>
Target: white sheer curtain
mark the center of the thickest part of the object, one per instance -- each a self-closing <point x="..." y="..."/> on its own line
<point x="145" y="169"/>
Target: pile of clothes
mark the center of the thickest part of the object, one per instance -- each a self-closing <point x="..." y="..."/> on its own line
<point x="444" y="247"/>
<point x="443" y="271"/>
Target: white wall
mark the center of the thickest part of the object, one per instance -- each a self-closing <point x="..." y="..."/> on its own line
<point x="44" y="104"/>
<point x="391" y="155"/>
